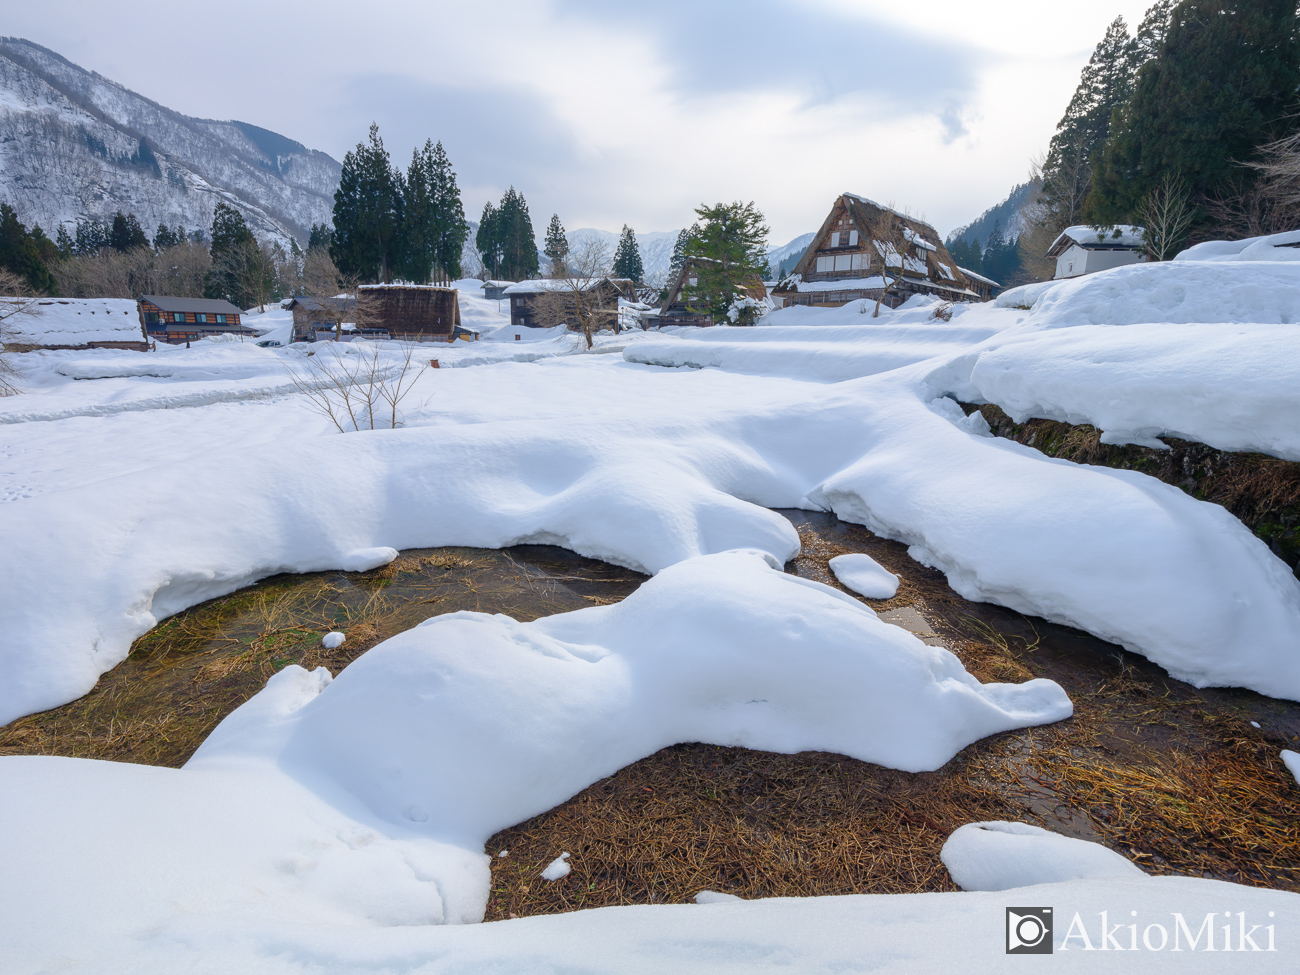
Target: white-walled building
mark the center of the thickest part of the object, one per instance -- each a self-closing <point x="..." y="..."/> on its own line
<point x="1084" y="250"/>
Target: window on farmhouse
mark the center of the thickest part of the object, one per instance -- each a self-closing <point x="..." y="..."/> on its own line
<point x="200" y="317"/>
<point x="835" y="239"/>
<point x="178" y="316"/>
<point x="824" y="263"/>
<point x="853" y="238"/>
<point x="221" y="319"/>
<point x="843" y="262"/>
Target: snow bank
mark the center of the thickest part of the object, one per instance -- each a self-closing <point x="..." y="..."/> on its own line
<point x="1234" y="387"/>
<point x="865" y="576"/>
<point x="366" y="800"/>
<point x="1274" y="247"/>
<point x="1180" y="292"/>
<point x="1292" y="762"/>
<point x="1000" y="856"/>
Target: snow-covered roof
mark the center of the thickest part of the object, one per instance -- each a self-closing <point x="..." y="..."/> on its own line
<point x="497" y="284"/>
<point x="73" y="321"/>
<point x="214" y="306"/>
<point x="1120" y="236"/>
<point x="880" y="206"/>
<point x="551" y="284"/>
<point x="978" y="277"/>
<point x="404" y="287"/>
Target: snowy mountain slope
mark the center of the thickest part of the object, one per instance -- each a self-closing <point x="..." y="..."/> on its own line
<point x="1010" y="213"/>
<point x="789" y="254"/>
<point x="656" y="247"/>
<point x="74" y="145"/>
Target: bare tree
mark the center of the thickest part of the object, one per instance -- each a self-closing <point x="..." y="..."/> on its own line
<point x="356" y="386"/>
<point x="17" y="300"/>
<point x="574" y="297"/>
<point x="333" y="290"/>
<point x="1166" y="215"/>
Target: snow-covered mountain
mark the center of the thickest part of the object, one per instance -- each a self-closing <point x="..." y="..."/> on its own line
<point x="656" y="248"/>
<point x="74" y="145"/>
<point x="783" y="259"/>
<point x="1010" y="213"/>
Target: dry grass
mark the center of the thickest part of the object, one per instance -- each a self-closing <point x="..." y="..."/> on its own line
<point x="1172" y="776"/>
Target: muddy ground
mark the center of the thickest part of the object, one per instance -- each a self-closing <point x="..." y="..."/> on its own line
<point x="1176" y="778"/>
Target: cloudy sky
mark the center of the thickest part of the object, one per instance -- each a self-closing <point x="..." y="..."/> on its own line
<point x="611" y="113"/>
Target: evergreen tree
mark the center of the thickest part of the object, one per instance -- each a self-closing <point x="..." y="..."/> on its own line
<point x="518" y="242"/>
<point x="684" y="237"/>
<point x="1001" y="258"/>
<point x="232" y="253"/>
<point x="126" y="233"/>
<point x="1222" y="82"/>
<point x="488" y="239"/>
<point x="727" y="249"/>
<point x="967" y="254"/>
<point x="1104" y="85"/>
<point x="24" y="253"/>
<point x="451" y="229"/>
<point x="64" y="243"/>
<point x="1152" y="31"/>
<point x="627" y="259"/>
<point x="167" y="237"/>
<point x="556" y="246"/>
<point x="320" y="236"/>
<point x="419" y="218"/>
<point x="367" y="213"/>
<point x="92" y="237"/>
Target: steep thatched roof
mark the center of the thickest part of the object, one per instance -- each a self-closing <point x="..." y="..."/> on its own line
<point x="895" y="234"/>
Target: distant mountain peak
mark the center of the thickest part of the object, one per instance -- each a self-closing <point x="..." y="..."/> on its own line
<point x="115" y="149"/>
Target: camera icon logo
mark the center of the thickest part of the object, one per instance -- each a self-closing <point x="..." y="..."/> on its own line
<point x="1029" y="930"/>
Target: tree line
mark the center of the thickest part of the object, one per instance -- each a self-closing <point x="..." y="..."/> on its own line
<point x="1187" y="127"/>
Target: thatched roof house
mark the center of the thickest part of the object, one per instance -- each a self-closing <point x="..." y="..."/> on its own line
<point x="411" y="312"/>
<point x="675" y="309"/>
<point x="72" y="323"/>
<point x="866" y="250"/>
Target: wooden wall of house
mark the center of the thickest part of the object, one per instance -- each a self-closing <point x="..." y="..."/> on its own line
<point x="409" y="311"/>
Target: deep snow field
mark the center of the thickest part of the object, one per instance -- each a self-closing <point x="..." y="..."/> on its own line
<point x="338" y="825"/>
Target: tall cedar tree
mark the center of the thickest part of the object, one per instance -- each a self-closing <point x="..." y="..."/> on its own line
<point x="488" y="239"/>
<point x="518" y="243"/>
<point x="1222" y="83"/>
<point x="451" y="229"/>
<point x="126" y="233"/>
<point x="367" y="213"/>
<point x="25" y="253"/>
<point x="320" y="236"/>
<point x="1001" y="258"/>
<point x="556" y="246"/>
<point x="729" y="250"/>
<point x="627" y="259"/>
<point x="684" y="237"/>
<point x="1104" y="85"/>
<point x="232" y="244"/>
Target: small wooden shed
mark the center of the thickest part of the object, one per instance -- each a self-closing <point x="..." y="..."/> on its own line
<point x="312" y="314"/>
<point x="411" y="312"/>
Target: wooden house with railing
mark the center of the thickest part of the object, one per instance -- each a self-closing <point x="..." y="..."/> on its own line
<point x="177" y="320"/>
<point x="866" y="250"/>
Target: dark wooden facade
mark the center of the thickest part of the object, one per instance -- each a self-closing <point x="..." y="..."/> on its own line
<point x="313" y="314"/>
<point x="177" y="320"/>
<point x="411" y="313"/>
<point x="604" y="291"/>
<point x="677" y="310"/>
<point x="861" y="248"/>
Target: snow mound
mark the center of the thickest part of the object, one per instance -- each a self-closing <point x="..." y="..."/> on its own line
<point x="865" y="576"/>
<point x="365" y="559"/>
<point x="557" y="868"/>
<point x="999" y="856"/>
<point x="1234" y="387"/>
<point x="332" y="640"/>
<point x="1274" y="247"/>
<point x="724" y="649"/>
<point x="1292" y="761"/>
<point x="716" y="897"/>
<point x="1183" y="292"/>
